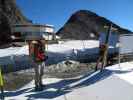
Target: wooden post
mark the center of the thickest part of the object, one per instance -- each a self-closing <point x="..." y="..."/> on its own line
<point x="104" y="60"/>
<point x="104" y="51"/>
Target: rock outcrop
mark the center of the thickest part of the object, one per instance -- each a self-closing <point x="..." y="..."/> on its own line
<point x="9" y="14"/>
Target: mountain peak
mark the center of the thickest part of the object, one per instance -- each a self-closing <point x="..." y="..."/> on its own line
<point x="83" y="23"/>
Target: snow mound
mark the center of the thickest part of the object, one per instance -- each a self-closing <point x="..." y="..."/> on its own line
<point x="123" y="71"/>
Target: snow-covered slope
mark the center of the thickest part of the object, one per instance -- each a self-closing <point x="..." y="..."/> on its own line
<point x="73" y="44"/>
<point x="74" y="50"/>
<point x="113" y="83"/>
<point x="61" y="47"/>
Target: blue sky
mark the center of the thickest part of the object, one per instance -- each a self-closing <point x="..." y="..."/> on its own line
<point x="57" y="12"/>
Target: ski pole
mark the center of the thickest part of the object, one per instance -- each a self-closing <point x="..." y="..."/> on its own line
<point x="1" y="86"/>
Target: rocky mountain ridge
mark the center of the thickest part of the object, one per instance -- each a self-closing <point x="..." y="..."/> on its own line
<point x="85" y="24"/>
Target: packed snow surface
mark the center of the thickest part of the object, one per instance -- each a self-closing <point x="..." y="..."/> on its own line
<point x="125" y="71"/>
<point x="113" y="83"/>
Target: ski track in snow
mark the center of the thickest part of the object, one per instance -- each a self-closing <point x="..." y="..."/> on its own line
<point x="97" y="86"/>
